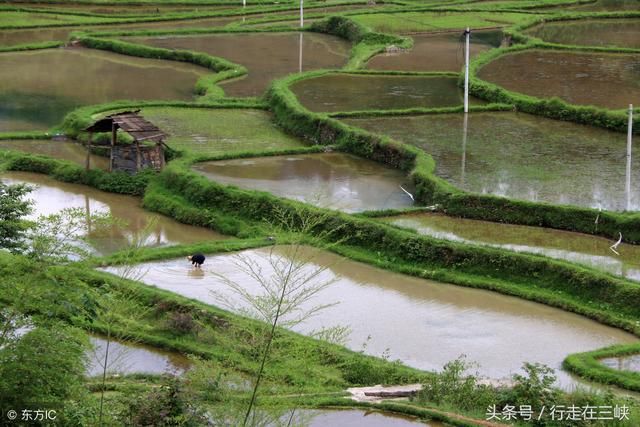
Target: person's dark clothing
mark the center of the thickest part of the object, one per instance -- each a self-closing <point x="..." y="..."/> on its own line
<point x="197" y="259"/>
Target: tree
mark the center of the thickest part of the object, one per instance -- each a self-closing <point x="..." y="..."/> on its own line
<point x="13" y="209"/>
<point x="61" y="236"/>
<point x="287" y="280"/>
<point x="43" y="369"/>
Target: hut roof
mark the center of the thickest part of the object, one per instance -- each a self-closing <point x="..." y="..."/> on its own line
<point x="131" y="122"/>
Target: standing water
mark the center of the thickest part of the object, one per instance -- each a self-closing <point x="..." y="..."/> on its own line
<point x="332" y="180"/>
<point x="599" y="79"/>
<point x="51" y="196"/>
<point x="38" y="88"/>
<point x="522" y="157"/>
<point x="424" y="324"/>
<point x="574" y="247"/>
<point x="267" y="56"/>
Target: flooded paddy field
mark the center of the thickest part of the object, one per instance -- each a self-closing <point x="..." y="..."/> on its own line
<point x="522" y="157"/>
<point x="133" y="358"/>
<point x="410" y="22"/>
<point x="51" y="196"/>
<point x="435" y="52"/>
<point x="62" y="150"/>
<point x="38" y="88"/>
<point x="288" y="53"/>
<point x="603" y="32"/>
<point x="351" y="92"/>
<point x="357" y="418"/>
<point x="126" y="9"/>
<point x="333" y="180"/>
<point x="599" y="79"/>
<point x="216" y="131"/>
<point x="423" y="323"/>
<point x="574" y="247"/>
<point x="607" y="5"/>
<point x="623" y="363"/>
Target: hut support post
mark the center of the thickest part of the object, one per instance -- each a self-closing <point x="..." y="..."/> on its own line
<point x="114" y="135"/>
<point x="138" y="157"/>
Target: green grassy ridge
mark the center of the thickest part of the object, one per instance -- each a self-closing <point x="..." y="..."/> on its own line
<point x="75" y="285"/>
<point x="534" y="4"/>
<point x="518" y="34"/>
<point x="430" y="189"/>
<point x="157" y="199"/>
<point x="312" y="15"/>
<point x="388" y="407"/>
<point x="587" y="365"/>
<point x="553" y="108"/>
<point x="165" y="17"/>
<point x="245" y="154"/>
<point x="366" y="43"/>
<point x="491" y="264"/>
<point x="177" y="210"/>
<point x="77" y="120"/>
<point x="190" y="31"/>
<point x="25" y="135"/>
<point x="23" y="7"/>
<point x="115" y="182"/>
<point x="418" y="111"/>
<point x="31" y="46"/>
<point x="599" y="296"/>
<point x="206" y="86"/>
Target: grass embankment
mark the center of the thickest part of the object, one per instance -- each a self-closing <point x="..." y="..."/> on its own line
<point x="437" y="21"/>
<point x="297" y="364"/>
<point x="217" y="132"/>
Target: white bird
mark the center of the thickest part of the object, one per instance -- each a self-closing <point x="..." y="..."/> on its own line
<point x="409" y="194"/>
<point x="616" y="244"/>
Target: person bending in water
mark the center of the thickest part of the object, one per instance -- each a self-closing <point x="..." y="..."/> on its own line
<point x="197" y="260"/>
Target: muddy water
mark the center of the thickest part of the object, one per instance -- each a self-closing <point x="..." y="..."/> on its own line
<point x="51" y="196"/>
<point x="422" y="323"/>
<point x="130" y="9"/>
<point x="333" y="180"/>
<point x="603" y="80"/>
<point x="287" y="53"/>
<point x="623" y="363"/>
<point x="575" y="247"/>
<point x="434" y="52"/>
<point x="356" y="418"/>
<point x="523" y="157"/>
<point x="38" y="88"/>
<point x="16" y="37"/>
<point x="610" y="5"/>
<point x="348" y="92"/>
<point x="604" y="32"/>
<point x="63" y="150"/>
<point x="133" y="358"/>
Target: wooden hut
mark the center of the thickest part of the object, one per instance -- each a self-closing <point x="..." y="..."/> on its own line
<point x="134" y="157"/>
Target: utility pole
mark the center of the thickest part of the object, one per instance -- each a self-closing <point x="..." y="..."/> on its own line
<point x="467" y="35"/>
<point x="301" y="13"/>
<point x="629" y="139"/>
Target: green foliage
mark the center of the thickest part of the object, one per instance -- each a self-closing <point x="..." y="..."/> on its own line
<point x="165" y="405"/>
<point x="13" y="208"/>
<point x="115" y="182"/>
<point x="589" y="365"/>
<point x="43" y="369"/>
<point x="454" y="387"/>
